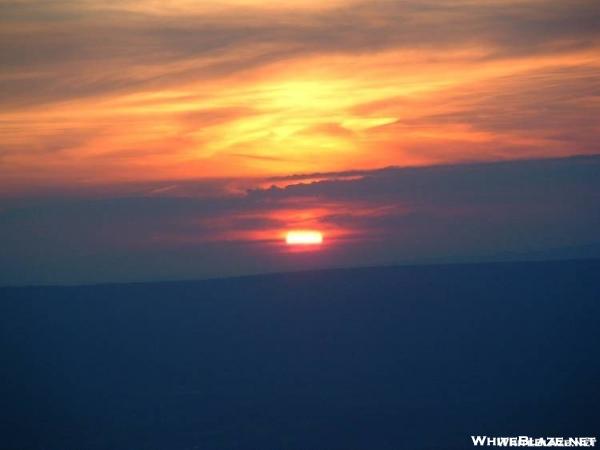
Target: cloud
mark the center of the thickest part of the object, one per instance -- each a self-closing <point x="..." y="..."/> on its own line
<point x="94" y="92"/>
<point x="60" y="50"/>
<point x="393" y="215"/>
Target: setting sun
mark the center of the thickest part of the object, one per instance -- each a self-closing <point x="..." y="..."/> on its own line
<point x="304" y="237"/>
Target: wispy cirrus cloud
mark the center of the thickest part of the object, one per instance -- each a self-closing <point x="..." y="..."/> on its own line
<point x="97" y="92"/>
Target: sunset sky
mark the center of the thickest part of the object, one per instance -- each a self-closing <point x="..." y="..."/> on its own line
<point x="159" y="140"/>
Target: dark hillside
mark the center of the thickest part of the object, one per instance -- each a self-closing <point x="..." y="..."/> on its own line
<point x="377" y="358"/>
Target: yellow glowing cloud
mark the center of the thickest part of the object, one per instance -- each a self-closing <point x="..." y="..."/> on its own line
<point x="213" y="94"/>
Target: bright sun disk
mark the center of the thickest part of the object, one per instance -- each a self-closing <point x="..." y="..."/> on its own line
<point x="304" y="237"/>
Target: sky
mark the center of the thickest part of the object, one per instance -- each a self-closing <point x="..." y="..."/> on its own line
<point x="149" y="140"/>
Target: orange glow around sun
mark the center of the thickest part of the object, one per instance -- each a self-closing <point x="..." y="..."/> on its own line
<point x="304" y="237"/>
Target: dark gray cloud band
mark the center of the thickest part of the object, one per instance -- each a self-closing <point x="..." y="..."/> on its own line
<point x="516" y="210"/>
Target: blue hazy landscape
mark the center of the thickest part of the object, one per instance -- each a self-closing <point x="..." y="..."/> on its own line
<point x="407" y="357"/>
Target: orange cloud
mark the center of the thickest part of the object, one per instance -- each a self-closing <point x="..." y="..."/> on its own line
<point x="132" y="91"/>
